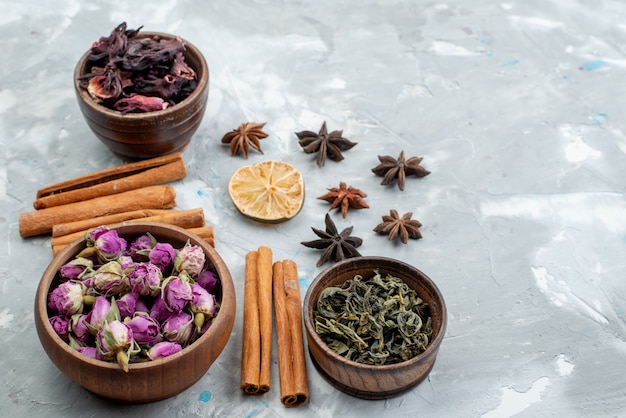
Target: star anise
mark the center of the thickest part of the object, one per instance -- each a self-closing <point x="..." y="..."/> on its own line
<point x="325" y="144"/>
<point x="336" y="246"/>
<point x="247" y="135"/>
<point x="396" y="226"/>
<point x="346" y="197"/>
<point x="390" y="169"/>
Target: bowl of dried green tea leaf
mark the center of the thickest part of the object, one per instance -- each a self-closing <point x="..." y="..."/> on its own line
<point x="374" y="326"/>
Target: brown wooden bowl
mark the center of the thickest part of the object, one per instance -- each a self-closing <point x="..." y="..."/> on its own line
<point x="372" y="381"/>
<point x="152" y="380"/>
<point x="137" y="136"/>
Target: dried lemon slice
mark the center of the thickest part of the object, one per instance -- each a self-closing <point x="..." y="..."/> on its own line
<point x="268" y="192"/>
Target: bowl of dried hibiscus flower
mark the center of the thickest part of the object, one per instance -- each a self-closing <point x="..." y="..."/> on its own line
<point x="143" y="94"/>
<point x="374" y="326"/>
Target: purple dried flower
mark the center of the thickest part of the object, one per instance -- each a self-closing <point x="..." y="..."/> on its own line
<point x="140" y="245"/>
<point x="110" y="279"/>
<point x="127" y="304"/>
<point x="79" y="328"/>
<point x="178" y="328"/>
<point x="146" y="330"/>
<point x="140" y="103"/>
<point x="208" y="280"/>
<point x="75" y="268"/>
<point x="61" y="326"/>
<point x="190" y="259"/>
<point x="90" y="352"/>
<point x="145" y="279"/>
<point x="176" y="293"/>
<point x="109" y="245"/>
<point x="99" y="313"/>
<point x="181" y="69"/>
<point x="115" y="342"/>
<point x="163" y="349"/>
<point x="162" y="255"/>
<point x="159" y="310"/>
<point x="203" y="305"/>
<point x="68" y="298"/>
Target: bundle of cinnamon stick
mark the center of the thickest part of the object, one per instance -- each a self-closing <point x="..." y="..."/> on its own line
<point x="131" y="192"/>
<point x="265" y="281"/>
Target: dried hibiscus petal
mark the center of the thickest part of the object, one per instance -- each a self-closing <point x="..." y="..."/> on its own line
<point x="139" y="103"/>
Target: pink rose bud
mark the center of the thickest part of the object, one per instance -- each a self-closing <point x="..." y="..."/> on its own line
<point x="110" y="280"/>
<point x="145" y="279"/>
<point x="208" y="280"/>
<point x="162" y="255"/>
<point x="115" y="342"/>
<point x="203" y="305"/>
<point x="75" y="268"/>
<point x="178" y="328"/>
<point x="61" y="326"/>
<point x="90" y="352"/>
<point x="99" y="312"/>
<point x="78" y="327"/>
<point x="109" y="245"/>
<point x="68" y="298"/>
<point x="176" y="294"/>
<point x="163" y="349"/>
<point x="141" y="246"/>
<point x="127" y="304"/>
<point x="146" y="330"/>
<point x="159" y="310"/>
<point x="190" y="259"/>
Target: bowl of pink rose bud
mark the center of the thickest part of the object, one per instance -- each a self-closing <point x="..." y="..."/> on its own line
<point x="135" y="313"/>
<point x="143" y="94"/>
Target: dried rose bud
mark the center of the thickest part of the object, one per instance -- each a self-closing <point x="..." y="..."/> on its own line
<point x="203" y="305"/>
<point x="78" y="327"/>
<point x="68" y="298"/>
<point x="110" y="279"/>
<point x="98" y="314"/>
<point x="190" y="259"/>
<point x="140" y="245"/>
<point x="90" y="352"/>
<point x="146" y="330"/>
<point x="159" y="310"/>
<point x="163" y="349"/>
<point x="127" y="304"/>
<point x="139" y="103"/>
<point x="110" y="245"/>
<point x="176" y="293"/>
<point x="208" y="280"/>
<point x="61" y="326"/>
<point x="145" y="279"/>
<point x="162" y="255"/>
<point x="76" y="268"/>
<point x="115" y="342"/>
<point x="178" y="328"/>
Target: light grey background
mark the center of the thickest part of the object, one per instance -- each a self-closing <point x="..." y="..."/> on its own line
<point x="517" y="108"/>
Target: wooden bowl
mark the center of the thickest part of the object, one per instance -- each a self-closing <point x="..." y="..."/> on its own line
<point x="151" y="380"/>
<point x="137" y="136"/>
<point x="374" y="381"/>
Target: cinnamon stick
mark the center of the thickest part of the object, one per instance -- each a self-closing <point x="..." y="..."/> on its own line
<point x="107" y="175"/>
<point x="158" y="175"/>
<point x="294" y="389"/>
<point x="251" y="338"/>
<point x="191" y="218"/>
<point x="42" y="221"/>
<point x="264" y="271"/>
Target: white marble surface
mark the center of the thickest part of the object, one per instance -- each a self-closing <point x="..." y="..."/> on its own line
<point x="517" y="108"/>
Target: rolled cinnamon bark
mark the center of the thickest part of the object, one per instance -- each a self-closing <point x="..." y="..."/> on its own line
<point x="251" y="338"/>
<point x="42" y="221"/>
<point x="150" y="177"/>
<point x="294" y="389"/>
<point x="109" y="174"/>
<point x="264" y="271"/>
<point x="191" y="218"/>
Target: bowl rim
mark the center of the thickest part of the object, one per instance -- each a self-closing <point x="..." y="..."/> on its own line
<point x="433" y="345"/>
<point x="203" y="79"/>
<point x="73" y="249"/>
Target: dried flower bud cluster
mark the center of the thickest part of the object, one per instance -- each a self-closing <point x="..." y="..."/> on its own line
<point x="130" y="303"/>
<point x="135" y="74"/>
